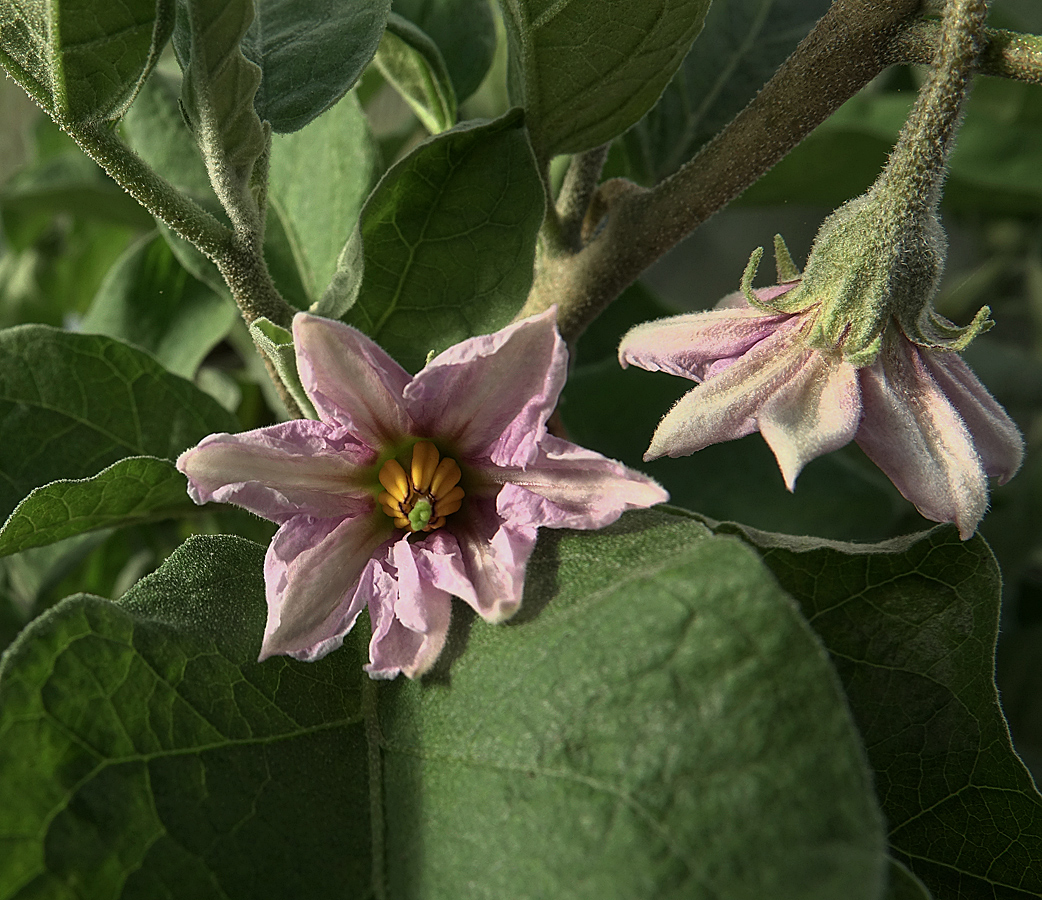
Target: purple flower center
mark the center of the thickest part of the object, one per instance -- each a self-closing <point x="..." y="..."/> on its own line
<point x="419" y="499"/>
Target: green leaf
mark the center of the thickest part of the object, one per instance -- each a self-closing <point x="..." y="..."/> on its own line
<point x="743" y="43"/>
<point x="449" y="237"/>
<point x="911" y="625"/>
<point x="412" y="64"/>
<point x="149" y="300"/>
<point x="311" y="52"/>
<point x="904" y="885"/>
<point x="320" y="178"/>
<point x="72" y="404"/>
<point x="277" y="344"/>
<point x="619" y="741"/>
<point x="586" y="70"/>
<point x="132" y="491"/>
<point x="463" y="30"/>
<point x="217" y="98"/>
<point x="83" y="61"/>
<point x="165" y="761"/>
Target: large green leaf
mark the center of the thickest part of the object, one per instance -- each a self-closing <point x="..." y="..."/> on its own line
<point x="148" y="299"/>
<point x="320" y="177"/>
<point x="144" y="753"/>
<point x="911" y="625"/>
<point x="463" y="30"/>
<point x="743" y="43"/>
<point x="72" y="404"/>
<point x="310" y="53"/>
<point x="132" y="491"/>
<point x="80" y="60"/>
<point x="617" y="741"/>
<point x="586" y="70"/>
<point x="449" y="237"/>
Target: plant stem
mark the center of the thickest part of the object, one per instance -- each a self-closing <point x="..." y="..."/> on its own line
<point x="580" y="182"/>
<point x="1006" y="54"/>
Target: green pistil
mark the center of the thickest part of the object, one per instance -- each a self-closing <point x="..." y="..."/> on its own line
<point x="420" y="515"/>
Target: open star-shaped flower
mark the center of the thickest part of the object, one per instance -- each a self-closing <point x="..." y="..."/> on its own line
<point x="919" y="414"/>
<point x="410" y="490"/>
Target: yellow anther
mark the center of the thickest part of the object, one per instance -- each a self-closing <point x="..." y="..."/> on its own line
<point x="451" y="502"/>
<point x="446" y="477"/>
<point x="401" y="522"/>
<point x="424" y="463"/>
<point x="392" y="476"/>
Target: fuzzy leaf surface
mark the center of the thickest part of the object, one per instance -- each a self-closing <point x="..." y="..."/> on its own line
<point x="449" y="240"/>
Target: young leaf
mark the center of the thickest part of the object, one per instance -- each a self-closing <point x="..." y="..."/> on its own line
<point x="72" y="404"/>
<point x="741" y="46"/>
<point x="149" y="300"/>
<point x="586" y="70"/>
<point x="311" y="53"/>
<point x="911" y="625"/>
<point x="463" y="30"/>
<point x="411" y="62"/>
<point x="82" y="61"/>
<point x="320" y="178"/>
<point x="134" y="490"/>
<point x="277" y="344"/>
<point x="217" y="96"/>
<point x="144" y="752"/>
<point x="449" y="237"/>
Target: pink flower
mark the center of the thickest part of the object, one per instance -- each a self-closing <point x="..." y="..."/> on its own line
<point x="920" y="414"/>
<point x="410" y="490"/>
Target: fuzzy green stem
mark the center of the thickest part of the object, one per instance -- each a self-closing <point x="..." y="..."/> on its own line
<point x="1005" y="54"/>
<point x="580" y="182"/>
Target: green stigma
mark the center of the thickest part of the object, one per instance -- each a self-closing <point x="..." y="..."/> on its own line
<point x="420" y="515"/>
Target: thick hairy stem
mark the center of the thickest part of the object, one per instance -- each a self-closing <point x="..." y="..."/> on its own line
<point x="578" y="188"/>
<point x="847" y="48"/>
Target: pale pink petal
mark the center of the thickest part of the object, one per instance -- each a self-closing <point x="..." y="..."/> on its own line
<point x="350" y="380"/>
<point x="392" y="645"/>
<point x="494" y="553"/>
<point x="689" y="345"/>
<point x="911" y="431"/>
<point x="490" y="395"/>
<point x="572" y="487"/>
<point x="995" y="435"/>
<point x="280" y="471"/>
<point x="311" y="574"/>
<point x="817" y="411"/>
<point x="725" y="406"/>
<point x="440" y="561"/>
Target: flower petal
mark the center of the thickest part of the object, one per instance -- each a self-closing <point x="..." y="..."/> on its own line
<point x="818" y="411"/>
<point x="995" y="436"/>
<point x="568" y="486"/>
<point x="494" y="554"/>
<point x="491" y="395"/>
<point x="688" y="345"/>
<point x="911" y="431"/>
<point x="280" y="471"/>
<point x="724" y="407"/>
<point x="312" y="574"/>
<point x="350" y="380"/>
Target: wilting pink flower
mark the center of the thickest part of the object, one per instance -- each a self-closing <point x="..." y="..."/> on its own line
<point x="920" y="414"/>
<point x="410" y="490"/>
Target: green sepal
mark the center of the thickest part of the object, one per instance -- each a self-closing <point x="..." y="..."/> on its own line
<point x="277" y="344"/>
<point x="933" y="330"/>
<point x="783" y="262"/>
<point x="747" y="281"/>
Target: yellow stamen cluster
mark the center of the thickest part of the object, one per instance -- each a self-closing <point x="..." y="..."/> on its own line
<point x="420" y="499"/>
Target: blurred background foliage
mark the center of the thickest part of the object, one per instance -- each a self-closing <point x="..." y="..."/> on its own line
<point x="76" y="252"/>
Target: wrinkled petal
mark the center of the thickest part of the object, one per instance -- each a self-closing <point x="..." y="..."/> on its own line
<point x="995" y="436"/>
<point x="567" y="486"/>
<point x="491" y="395"/>
<point x="350" y="380"/>
<point x="724" y="407"/>
<point x="311" y="573"/>
<point x="689" y="345"/>
<point x="494" y="553"/>
<point x="911" y="431"/>
<point x="392" y="645"/>
<point x="818" y="411"/>
<point x="280" y="471"/>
